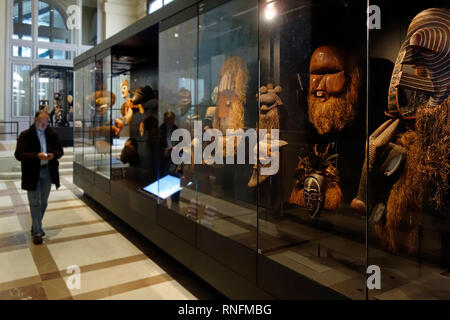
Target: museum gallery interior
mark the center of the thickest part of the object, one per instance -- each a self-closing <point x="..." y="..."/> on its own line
<point x="285" y="149"/>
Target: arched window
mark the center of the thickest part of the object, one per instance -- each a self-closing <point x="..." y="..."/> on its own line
<point x="22" y="19"/>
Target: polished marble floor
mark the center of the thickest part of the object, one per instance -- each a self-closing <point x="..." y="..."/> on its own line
<point x="115" y="262"/>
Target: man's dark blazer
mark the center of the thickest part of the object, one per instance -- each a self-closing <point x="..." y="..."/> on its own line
<point x="27" y="149"/>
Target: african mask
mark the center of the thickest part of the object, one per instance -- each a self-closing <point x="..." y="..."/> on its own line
<point x="124" y="89"/>
<point x="333" y="89"/>
<point x="383" y="166"/>
<point x="269" y="102"/>
<point x="314" y="193"/>
<point x="184" y="101"/>
<point x="268" y="119"/>
<point x="418" y="158"/>
<point x="427" y="49"/>
<point x="267" y="155"/>
<point x="317" y="183"/>
<point x="231" y="95"/>
<point x="102" y="99"/>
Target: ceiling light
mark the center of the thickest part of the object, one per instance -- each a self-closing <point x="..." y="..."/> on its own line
<point x="271" y="11"/>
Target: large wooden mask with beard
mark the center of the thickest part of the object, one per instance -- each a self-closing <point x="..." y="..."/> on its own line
<point x="334" y="86"/>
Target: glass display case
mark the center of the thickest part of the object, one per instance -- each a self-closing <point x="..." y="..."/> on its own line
<point x="52" y="90"/>
<point x="279" y="149"/>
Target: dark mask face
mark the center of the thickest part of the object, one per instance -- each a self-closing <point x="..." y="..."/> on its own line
<point x="314" y="193"/>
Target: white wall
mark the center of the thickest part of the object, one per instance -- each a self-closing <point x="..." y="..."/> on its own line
<point x="119" y="14"/>
<point x="2" y="59"/>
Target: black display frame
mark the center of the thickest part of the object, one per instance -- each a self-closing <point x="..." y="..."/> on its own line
<point x="236" y="271"/>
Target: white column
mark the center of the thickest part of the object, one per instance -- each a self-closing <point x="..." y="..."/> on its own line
<point x="3" y="49"/>
<point x="119" y="14"/>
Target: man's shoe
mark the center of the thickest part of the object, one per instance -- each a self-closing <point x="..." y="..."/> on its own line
<point x="43" y="233"/>
<point x="37" y="239"/>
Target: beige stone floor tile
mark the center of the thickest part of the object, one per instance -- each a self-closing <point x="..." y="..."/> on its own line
<point x="3" y="186"/>
<point x="10" y="224"/>
<point x="170" y="290"/>
<point x="17" y="264"/>
<point x="69" y="178"/>
<point x="116" y="275"/>
<point x="69" y="216"/>
<point x="55" y="195"/>
<point x="56" y="289"/>
<point x="52" y="234"/>
<point x="65" y="204"/>
<point x="91" y="250"/>
<point x="5" y="202"/>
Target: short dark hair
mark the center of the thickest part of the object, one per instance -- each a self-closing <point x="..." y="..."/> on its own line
<point x="133" y="142"/>
<point x="37" y="114"/>
<point x="169" y="114"/>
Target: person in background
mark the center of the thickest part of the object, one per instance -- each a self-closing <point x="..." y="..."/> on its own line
<point x="166" y="130"/>
<point x="38" y="149"/>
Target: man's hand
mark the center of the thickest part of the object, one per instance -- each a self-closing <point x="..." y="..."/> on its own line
<point x="45" y="156"/>
<point x="42" y="156"/>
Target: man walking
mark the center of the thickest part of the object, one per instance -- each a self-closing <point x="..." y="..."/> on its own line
<point x="38" y="149"/>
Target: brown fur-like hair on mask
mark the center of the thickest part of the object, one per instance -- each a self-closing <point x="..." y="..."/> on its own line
<point x="336" y="112"/>
<point x="270" y="120"/>
<point x="433" y="133"/>
<point x="425" y="178"/>
<point x="236" y="67"/>
<point x="404" y="205"/>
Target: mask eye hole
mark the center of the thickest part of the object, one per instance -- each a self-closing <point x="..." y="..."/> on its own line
<point x="325" y="70"/>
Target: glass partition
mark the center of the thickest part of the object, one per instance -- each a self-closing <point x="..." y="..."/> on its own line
<point x="89" y="110"/>
<point x="227" y="106"/>
<point x="78" y="106"/>
<point x="21" y="101"/>
<point x="407" y="179"/>
<point x="252" y="119"/>
<point x="103" y="100"/>
<point x="178" y="108"/>
<point x="311" y="89"/>
<point x="53" y="92"/>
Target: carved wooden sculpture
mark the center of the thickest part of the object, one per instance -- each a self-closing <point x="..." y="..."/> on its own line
<point x="231" y="97"/>
<point x="426" y="170"/>
<point x="270" y="101"/>
<point x="317" y="183"/>
<point x="334" y="84"/>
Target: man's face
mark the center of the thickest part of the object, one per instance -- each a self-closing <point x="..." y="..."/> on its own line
<point x="42" y="122"/>
<point x="332" y="91"/>
<point x="169" y="120"/>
